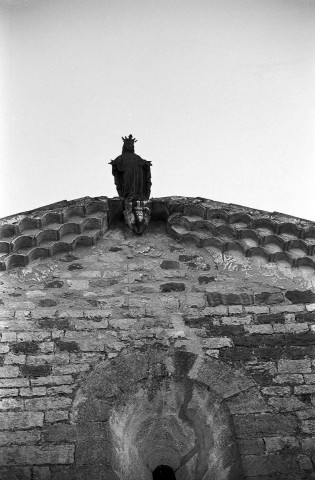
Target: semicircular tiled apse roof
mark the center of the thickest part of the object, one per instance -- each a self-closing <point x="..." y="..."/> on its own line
<point x="229" y="228"/>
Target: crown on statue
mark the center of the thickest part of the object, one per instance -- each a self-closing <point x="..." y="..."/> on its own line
<point x="130" y="141"/>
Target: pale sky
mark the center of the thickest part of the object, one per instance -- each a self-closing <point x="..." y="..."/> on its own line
<point x="220" y="94"/>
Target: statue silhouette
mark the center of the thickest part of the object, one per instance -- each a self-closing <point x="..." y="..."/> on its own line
<point x="132" y="174"/>
<point x="133" y="183"/>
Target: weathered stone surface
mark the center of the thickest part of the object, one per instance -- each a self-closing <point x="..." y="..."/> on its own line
<point x="33" y="455"/>
<point x="16" y="420"/>
<point x="47" y="403"/>
<point x="16" y="473"/>
<point x="54" y="284"/>
<point x="251" y="446"/>
<point x="297" y="296"/>
<point x="273" y="465"/>
<point x="269" y="298"/>
<point x="249" y="401"/>
<point x="47" y="302"/>
<point x="267" y="424"/>
<point x="35" y="370"/>
<point x="205" y="279"/>
<point x="172" y="287"/>
<point x="276" y="444"/>
<point x="25" y="347"/>
<point x="62" y="326"/>
<point x="60" y="432"/>
<point x="19" y="437"/>
<point x="294" y="366"/>
<point x="9" y="372"/>
<point x="170" y="265"/>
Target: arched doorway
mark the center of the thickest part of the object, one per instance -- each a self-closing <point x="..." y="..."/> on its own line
<point x="159" y="414"/>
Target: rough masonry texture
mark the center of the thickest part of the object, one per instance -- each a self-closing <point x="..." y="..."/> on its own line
<point x="191" y="346"/>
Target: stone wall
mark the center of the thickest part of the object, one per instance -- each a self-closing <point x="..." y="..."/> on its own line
<point x="142" y="351"/>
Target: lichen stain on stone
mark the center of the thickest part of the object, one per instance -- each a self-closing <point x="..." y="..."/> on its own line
<point x="35" y="272"/>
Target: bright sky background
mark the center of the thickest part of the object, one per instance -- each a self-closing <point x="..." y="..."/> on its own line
<point x="220" y="94"/>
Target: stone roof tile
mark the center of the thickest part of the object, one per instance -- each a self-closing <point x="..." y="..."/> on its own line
<point x="228" y="228"/>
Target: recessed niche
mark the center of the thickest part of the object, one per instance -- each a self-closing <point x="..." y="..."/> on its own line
<point x="163" y="472"/>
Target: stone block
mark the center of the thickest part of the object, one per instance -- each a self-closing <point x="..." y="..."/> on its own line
<point x="46" y="347"/>
<point x="304" y="389"/>
<point x="289" y="318"/>
<point x="235" y="309"/>
<point x="38" y="336"/>
<point x="15" y="473"/>
<point x="308" y="445"/>
<point x="193" y="300"/>
<point x="60" y="432"/>
<point x="291" y="328"/>
<point x="6" y="313"/>
<point x="306" y="414"/>
<point x="219" y="310"/>
<point x="11" y="359"/>
<point x="37" y="455"/>
<point x="11" y="404"/>
<point x="8" y="392"/>
<point x="170" y="265"/>
<point x="53" y="380"/>
<point x="19" y="437"/>
<point x="269" y="465"/>
<point x="256" y="309"/>
<point x="47" y="403"/>
<point x="78" y="284"/>
<point x="246" y="320"/>
<point x="286" y="308"/>
<point x="249" y="401"/>
<point x="41" y="473"/>
<point x="306" y="463"/>
<point x="310" y="307"/>
<point x="14" y="382"/>
<point x="53" y="416"/>
<point x="36" y="370"/>
<point x="309" y="378"/>
<point x="269" y="298"/>
<point x="8" y="337"/>
<point x="4" y="348"/>
<point x="69" y="369"/>
<point x="54" y="284"/>
<point x="263" y="329"/>
<point x="41" y="313"/>
<point x="9" y="372"/>
<point x="25" y="347"/>
<point x="265" y="424"/>
<point x="33" y="392"/>
<point x="21" y="420"/>
<point x="251" y="446"/>
<point x="278" y="391"/>
<point x="56" y="359"/>
<point x="217" y="342"/>
<point x="172" y="287"/>
<point x="276" y="444"/>
<point x="298" y="296"/>
<point x="308" y="426"/>
<point x="294" y="366"/>
<point x="287" y="404"/>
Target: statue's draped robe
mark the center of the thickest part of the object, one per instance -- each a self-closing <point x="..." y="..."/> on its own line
<point x="132" y="176"/>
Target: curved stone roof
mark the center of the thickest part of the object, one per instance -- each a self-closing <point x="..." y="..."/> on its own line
<point x="227" y="228"/>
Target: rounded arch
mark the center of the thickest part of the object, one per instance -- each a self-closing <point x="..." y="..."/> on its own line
<point x="171" y="408"/>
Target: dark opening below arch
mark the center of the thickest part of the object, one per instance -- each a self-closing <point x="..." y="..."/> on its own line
<point x="164" y="472"/>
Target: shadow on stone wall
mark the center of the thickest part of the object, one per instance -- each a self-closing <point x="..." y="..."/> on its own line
<point x="143" y="410"/>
